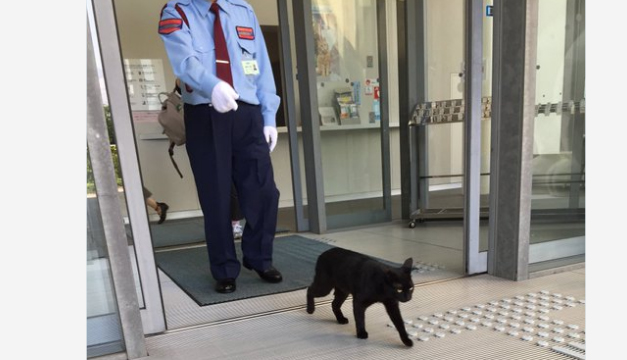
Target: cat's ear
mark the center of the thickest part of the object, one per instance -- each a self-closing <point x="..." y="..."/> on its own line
<point x="407" y="265"/>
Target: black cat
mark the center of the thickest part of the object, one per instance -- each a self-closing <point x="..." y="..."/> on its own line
<point x="368" y="280"/>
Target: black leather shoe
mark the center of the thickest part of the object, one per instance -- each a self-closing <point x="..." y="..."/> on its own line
<point x="164" y="211"/>
<point x="271" y="275"/>
<point x="225" y="286"/>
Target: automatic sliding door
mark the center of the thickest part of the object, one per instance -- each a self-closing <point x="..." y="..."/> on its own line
<point x="558" y="182"/>
<point x="354" y="128"/>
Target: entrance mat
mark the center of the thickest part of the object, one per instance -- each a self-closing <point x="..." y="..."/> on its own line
<point x="295" y="256"/>
<point x="178" y="232"/>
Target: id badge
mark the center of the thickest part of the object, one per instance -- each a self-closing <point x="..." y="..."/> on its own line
<point x="250" y="67"/>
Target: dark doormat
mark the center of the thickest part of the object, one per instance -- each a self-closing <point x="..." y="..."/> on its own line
<point x="295" y="256"/>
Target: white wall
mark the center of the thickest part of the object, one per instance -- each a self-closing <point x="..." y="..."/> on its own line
<point x="550" y="75"/>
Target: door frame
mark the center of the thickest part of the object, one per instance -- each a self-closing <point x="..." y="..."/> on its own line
<point x="475" y="260"/>
<point x="152" y="313"/>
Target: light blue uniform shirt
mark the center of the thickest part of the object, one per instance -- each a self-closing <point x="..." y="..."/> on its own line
<point x="191" y="51"/>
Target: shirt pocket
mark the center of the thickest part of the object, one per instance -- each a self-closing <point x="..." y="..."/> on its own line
<point x="247" y="55"/>
<point x="247" y="48"/>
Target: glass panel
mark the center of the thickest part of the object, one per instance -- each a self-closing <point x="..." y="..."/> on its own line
<point x="441" y="138"/>
<point x="149" y="73"/>
<point x="148" y="76"/>
<point x="104" y="334"/>
<point x="558" y="188"/>
<point x="441" y="178"/>
<point x="445" y="89"/>
<point x="346" y="50"/>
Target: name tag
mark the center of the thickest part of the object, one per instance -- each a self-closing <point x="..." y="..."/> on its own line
<point x="250" y="67"/>
<point x="244" y="32"/>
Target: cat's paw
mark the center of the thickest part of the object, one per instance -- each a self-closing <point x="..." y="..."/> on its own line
<point x="311" y="308"/>
<point x="342" y="320"/>
<point x="408" y="342"/>
<point x="362" y="334"/>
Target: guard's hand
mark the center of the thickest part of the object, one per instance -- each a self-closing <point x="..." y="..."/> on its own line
<point x="271" y="136"/>
<point x="223" y="97"/>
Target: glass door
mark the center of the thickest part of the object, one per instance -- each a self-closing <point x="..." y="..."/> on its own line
<point x="103" y="31"/>
<point x="451" y="123"/>
<point x="104" y="334"/>
<point x="558" y="182"/>
<point x="352" y="109"/>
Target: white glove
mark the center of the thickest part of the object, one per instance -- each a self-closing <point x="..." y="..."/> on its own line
<point x="223" y="97"/>
<point x="271" y="136"/>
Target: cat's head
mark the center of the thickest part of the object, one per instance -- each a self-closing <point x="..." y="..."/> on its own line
<point x="401" y="282"/>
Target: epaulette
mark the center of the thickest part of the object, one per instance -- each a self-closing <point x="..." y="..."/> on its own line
<point x="168" y="26"/>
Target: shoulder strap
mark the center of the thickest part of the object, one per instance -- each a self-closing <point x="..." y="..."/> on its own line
<point x="182" y="13"/>
<point x="171" y="152"/>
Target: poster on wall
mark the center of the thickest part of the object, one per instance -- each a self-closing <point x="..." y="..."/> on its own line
<point x="371" y="85"/>
<point x="144" y="81"/>
<point x="326" y="42"/>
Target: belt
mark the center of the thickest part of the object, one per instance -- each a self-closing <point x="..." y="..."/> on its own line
<point x="211" y="105"/>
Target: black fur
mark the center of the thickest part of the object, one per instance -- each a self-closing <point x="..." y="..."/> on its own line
<point x="368" y="280"/>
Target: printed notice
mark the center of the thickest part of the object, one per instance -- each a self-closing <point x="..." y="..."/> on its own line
<point x="144" y="81"/>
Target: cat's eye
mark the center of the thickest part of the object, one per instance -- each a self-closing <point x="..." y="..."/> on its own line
<point x="411" y="288"/>
<point x="399" y="290"/>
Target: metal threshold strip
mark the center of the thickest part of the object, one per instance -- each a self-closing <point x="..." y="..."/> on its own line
<point x="576" y="350"/>
<point x="301" y="307"/>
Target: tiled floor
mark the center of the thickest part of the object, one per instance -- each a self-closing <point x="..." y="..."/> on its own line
<point x="278" y="327"/>
<point x="479" y="317"/>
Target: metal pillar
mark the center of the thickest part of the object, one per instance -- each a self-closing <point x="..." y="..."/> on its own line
<point x="412" y="80"/>
<point x="513" y="112"/>
<point x="309" y="115"/>
<point x="289" y="102"/>
<point x="383" y="106"/>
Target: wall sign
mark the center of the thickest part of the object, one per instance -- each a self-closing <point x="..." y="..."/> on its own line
<point x="144" y="81"/>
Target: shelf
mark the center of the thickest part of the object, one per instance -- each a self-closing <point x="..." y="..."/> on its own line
<point x="283" y="130"/>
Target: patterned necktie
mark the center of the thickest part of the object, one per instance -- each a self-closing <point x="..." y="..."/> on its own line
<point x="223" y="63"/>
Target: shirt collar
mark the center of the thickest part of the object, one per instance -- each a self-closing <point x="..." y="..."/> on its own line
<point x="204" y="5"/>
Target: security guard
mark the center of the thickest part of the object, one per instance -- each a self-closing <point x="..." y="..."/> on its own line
<point x="217" y="50"/>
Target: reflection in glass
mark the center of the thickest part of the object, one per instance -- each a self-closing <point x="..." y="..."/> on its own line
<point x="558" y="187"/>
<point x="104" y="335"/>
<point x="347" y="69"/>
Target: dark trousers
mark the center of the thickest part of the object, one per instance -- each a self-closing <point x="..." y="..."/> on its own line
<point x="236" y="213"/>
<point x="225" y="150"/>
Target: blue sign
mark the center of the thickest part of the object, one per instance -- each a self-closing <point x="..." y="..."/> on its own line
<point x="488" y="10"/>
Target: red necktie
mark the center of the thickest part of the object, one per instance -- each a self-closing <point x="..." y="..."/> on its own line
<point x="223" y="63"/>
